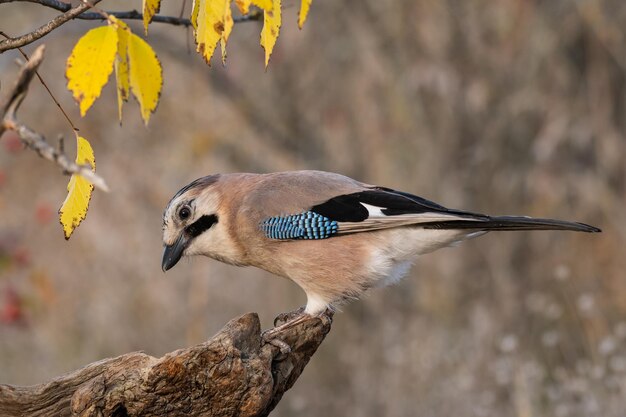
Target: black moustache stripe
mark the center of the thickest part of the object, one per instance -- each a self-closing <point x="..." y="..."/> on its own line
<point x="201" y="225"/>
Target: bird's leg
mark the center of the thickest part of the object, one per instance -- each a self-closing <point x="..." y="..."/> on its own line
<point x="291" y="319"/>
<point x="284" y="348"/>
<point x="294" y="321"/>
<point x="285" y="317"/>
<point x="271" y="335"/>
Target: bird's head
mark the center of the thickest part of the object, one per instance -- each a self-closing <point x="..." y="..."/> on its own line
<point x="193" y="223"/>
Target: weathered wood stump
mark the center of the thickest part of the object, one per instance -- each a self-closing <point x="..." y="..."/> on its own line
<point x="235" y="373"/>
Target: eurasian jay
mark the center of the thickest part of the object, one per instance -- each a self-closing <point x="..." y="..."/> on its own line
<point x="333" y="236"/>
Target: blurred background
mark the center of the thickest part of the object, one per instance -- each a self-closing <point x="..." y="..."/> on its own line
<point x="508" y="107"/>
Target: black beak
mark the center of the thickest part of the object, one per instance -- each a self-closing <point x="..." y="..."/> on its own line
<point x="173" y="252"/>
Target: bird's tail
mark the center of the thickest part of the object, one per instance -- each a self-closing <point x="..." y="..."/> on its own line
<point x="513" y="223"/>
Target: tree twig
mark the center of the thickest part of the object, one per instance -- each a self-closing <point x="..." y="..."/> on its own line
<point x="32" y="139"/>
<point x="128" y="15"/>
<point x="235" y="373"/>
<point x="45" y="29"/>
<point x="45" y="86"/>
<point x="182" y="9"/>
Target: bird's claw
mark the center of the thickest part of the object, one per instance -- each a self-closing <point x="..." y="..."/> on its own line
<point x="285" y="321"/>
<point x="270" y="338"/>
<point x="284" y="348"/>
<point x="287" y="317"/>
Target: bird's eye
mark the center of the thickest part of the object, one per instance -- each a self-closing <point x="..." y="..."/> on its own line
<point x="184" y="213"/>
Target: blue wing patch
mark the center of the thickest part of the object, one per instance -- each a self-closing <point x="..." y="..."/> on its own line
<point x="307" y="225"/>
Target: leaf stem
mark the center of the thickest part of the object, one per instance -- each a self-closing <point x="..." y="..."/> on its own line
<point x="32" y="139"/>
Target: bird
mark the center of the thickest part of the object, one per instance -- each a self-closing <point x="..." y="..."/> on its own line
<point x="332" y="235"/>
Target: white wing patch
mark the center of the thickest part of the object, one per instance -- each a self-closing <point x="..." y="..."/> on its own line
<point x="377" y="220"/>
<point x="373" y="210"/>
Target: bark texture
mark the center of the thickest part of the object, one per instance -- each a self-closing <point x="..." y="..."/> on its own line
<point x="235" y="373"/>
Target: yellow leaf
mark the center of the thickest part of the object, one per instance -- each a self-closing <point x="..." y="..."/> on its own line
<point x="121" y="64"/>
<point x="211" y="25"/>
<point x="271" y="29"/>
<point x="243" y="6"/>
<point x="267" y="5"/>
<point x="146" y="78"/>
<point x="74" y="208"/>
<point x="90" y="64"/>
<point x="228" y="27"/>
<point x="195" y="7"/>
<point x="304" y="11"/>
<point x="150" y="8"/>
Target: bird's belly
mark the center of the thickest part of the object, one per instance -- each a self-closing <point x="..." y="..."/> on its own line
<point x="341" y="268"/>
<point x="395" y="250"/>
<point x="393" y="274"/>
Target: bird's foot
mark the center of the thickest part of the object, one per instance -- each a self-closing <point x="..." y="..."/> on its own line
<point x="289" y="320"/>
<point x="286" y="317"/>
<point x="286" y="321"/>
<point x="293" y="321"/>
<point x="284" y="348"/>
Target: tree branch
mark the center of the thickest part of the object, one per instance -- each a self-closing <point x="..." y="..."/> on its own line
<point x="32" y="139"/>
<point x="45" y="29"/>
<point x="128" y="15"/>
<point x="235" y="373"/>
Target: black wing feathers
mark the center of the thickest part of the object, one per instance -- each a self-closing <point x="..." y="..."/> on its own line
<point x="417" y="199"/>
<point x="343" y="208"/>
<point x="349" y="207"/>
<point x="512" y="223"/>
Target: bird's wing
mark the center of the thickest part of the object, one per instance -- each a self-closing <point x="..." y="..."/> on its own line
<point x="382" y="208"/>
<point x="351" y="207"/>
<point x="368" y="209"/>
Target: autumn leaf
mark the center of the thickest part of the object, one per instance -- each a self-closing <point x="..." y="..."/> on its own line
<point x="146" y="75"/>
<point x="304" y="11"/>
<point x="271" y="29"/>
<point x="266" y="5"/>
<point x="243" y="6"/>
<point x="121" y="64"/>
<point x="74" y="208"/>
<point x="195" y="7"/>
<point x="137" y="68"/>
<point x="211" y="25"/>
<point x="150" y="8"/>
<point x="228" y="27"/>
<point x="90" y="64"/>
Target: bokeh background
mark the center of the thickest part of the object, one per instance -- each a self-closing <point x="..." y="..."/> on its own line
<point x="507" y="107"/>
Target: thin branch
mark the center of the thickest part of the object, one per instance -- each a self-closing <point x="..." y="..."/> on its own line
<point x="172" y="20"/>
<point x="38" y="143"/>
<point x="45" y="29"/>
<point x="128" y="15"/>
<point x="135" y="15"/>
<point x="24" y="78"/>
<point x="182" y="9"/>
<point x="45" y="86"/>
<point x="32" y="139"/>
<point x="92" y="6"/>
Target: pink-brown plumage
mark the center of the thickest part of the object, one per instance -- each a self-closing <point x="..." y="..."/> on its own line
<point x="380" y="231"/>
